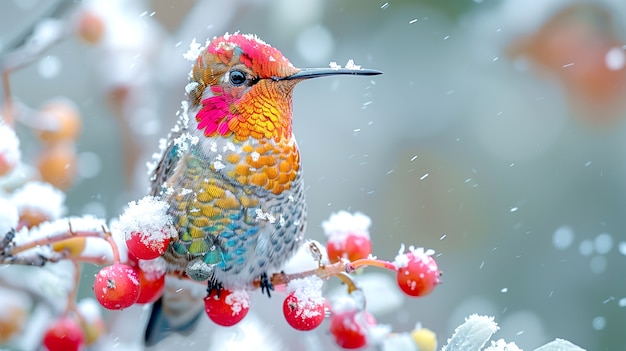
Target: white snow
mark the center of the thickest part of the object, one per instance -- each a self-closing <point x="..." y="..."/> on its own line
<point x="9" y="144"/>
<point x="502" y="345"/>
<point x="615" y="59"/>
<point x="90" y="309"/>
<point x="334" y="65"/>
<point x="472" y="334"/>
<point x="55" y="228"/>
<point x="353" y="66"/>
<point x="9" y="216"/>
<point x="148" y="217"/>
<point x="153" y="269"/>
<point x="306" y="258"/>
<point x="238" y="301"/>
<point x="402" y="260"/>
<point x="195" y="49"/>
<point x="190" y="87"/>
<point x="308" y="292"/>
<point x="39" y="197"/>
<point x="343" y="223"/>
<point x="264" y="216"/>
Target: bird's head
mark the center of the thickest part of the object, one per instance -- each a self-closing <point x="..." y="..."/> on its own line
<point x="243" y="87"/>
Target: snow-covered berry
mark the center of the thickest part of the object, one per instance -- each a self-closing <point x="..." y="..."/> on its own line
<point x="417" y="273"/>
<point x="228" y="307"/>
<point x="151" y="279"/>
<point x="147" y="228"/>
<point x="304" y="307"/>
<point x="348" y="236"/>
<point x="350" y="328"/>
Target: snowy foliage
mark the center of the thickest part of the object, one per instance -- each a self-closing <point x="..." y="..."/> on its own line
<point x="39" y="197"/>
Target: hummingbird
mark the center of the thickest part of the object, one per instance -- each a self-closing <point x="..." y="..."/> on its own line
<point x="231" y="171"/>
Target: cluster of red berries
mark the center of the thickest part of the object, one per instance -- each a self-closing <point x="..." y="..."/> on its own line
<point x="121" y="285"/>
<point x="305" y="308"/>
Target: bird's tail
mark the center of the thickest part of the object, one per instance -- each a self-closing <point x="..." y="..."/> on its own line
<point x="178" y="310"/>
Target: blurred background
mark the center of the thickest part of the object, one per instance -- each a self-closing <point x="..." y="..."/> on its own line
<point x="496" y="136"/>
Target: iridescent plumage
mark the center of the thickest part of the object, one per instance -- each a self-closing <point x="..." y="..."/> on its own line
<point x="230" y="169"/>
<point x="232" y="174"/>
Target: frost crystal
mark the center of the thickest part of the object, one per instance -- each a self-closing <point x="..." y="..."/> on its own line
<point x="351" y="65"/>
<point x="190" y="87"/>
<point x="502" y="345"/>
<point x="148" y="217"/>
<point x="40" y="197"/>
<point x="472" y="334"/>
<point x="238" y="300"/>
<point x="195" y="49"/>
<point x="402" y="260"/>
<point x="334" y="65"/>
<point x="264" y="216"/>
<point x="342" y="223"/>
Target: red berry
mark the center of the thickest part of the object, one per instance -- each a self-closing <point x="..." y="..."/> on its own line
<point x="352" y="247"/>
<point x="303" y="312"/>
<point x="349" y="328"/>
<point x="348" y="236"/>
<point x="64" y="335"/>
<point x="147" y="246"/>
<point x="117" y="286"/>
<point x="227" y="309"/>
<point x="417" y="273"/>
<point x="152" y="285"/>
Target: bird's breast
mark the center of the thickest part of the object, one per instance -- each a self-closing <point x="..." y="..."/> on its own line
<point x="264" y="164"/>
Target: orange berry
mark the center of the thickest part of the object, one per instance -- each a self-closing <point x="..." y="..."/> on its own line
<point x="30" y="217"/>
<point x="5" y="165"/>
<point x="12" y="322"/>
<point x="59" y="119"/>
<point x="90" y="27"/>
<point x="73" y="246"/>
<point x="57" y="165"/>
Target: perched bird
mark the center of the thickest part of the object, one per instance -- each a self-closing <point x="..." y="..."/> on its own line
<point x="230" y="169"/>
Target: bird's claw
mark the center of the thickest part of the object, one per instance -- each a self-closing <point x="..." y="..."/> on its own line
<point x="266" y="285"/>
<point x="212" y="285"/>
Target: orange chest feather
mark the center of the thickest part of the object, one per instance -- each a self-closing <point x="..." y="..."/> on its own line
<point x="272" y="166"/>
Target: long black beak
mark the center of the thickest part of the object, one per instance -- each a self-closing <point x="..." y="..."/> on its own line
<point x="307" y="73"/>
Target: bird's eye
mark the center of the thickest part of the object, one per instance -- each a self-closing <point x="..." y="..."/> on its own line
<point x="237" y="77"/>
